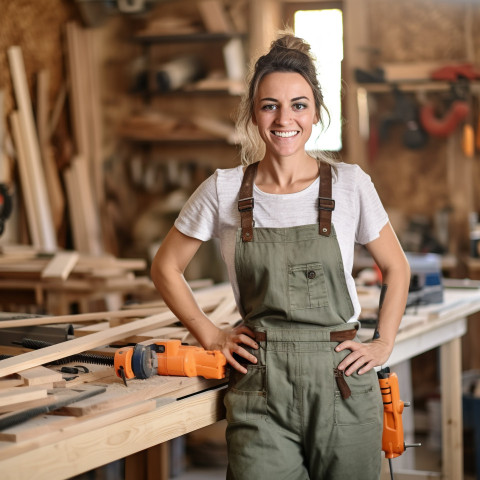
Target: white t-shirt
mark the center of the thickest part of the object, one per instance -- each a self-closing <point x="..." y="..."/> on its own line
<point x="212" y="212"/>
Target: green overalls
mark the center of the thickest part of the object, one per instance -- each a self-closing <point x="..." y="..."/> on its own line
<point x="293" y="416"/>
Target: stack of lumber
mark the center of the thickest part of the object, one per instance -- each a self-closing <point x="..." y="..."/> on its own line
<point x="38" y="162"/>
<point x="27" y="380"/>
<point x="53" y="281"/>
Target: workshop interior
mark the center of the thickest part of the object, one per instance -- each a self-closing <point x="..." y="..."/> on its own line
<point x="112" y="113"/>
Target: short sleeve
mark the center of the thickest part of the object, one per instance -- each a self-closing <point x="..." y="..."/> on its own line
<point x="371" y="215"/>
<point x="199" y="216"/>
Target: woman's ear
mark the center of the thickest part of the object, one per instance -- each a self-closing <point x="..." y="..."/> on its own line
<point x="316" y="118"/>
<point x="254" y="120"/>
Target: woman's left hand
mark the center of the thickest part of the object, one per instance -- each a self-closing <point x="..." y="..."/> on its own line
<point x="363" y="356"/>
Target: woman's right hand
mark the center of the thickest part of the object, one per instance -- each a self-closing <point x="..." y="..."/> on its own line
<point x="233" y="341"/>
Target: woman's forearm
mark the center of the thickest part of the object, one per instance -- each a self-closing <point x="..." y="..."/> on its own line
<point x="167" y="270"/>
<point x="395" y="284"/>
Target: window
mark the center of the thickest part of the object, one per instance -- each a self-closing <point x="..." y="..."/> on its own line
<point x="323" y="30"/>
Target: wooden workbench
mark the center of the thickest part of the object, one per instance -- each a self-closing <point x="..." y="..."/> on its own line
<point x="79" y="447"/>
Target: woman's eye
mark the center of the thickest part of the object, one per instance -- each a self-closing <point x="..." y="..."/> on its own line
<point x="269" y="107"/>
<point x="299" y="106"/>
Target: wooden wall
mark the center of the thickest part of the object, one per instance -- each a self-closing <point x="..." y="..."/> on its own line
<point x="425" y="180"/>
<point x="36" y="26"/>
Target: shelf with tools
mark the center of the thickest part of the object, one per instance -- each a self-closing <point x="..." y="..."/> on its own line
<point x="179" y="71"/>
<point x="183" y="85"/>
<point x="188" y="123"/>
<point x="430" y="116"/>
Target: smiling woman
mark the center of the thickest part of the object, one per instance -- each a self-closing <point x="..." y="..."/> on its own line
<point x="303" y="398"/>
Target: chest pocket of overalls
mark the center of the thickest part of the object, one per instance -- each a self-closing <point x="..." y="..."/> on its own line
<point x="306" y="286"/>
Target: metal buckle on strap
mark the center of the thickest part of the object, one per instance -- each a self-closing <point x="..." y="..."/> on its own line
<point x="245" y="204"/>
<point x="327" y="204"/>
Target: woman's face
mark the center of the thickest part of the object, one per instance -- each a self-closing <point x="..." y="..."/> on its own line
<point x="284" y="112"/>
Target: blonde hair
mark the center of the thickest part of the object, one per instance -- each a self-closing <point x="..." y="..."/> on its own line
<point x="287" y="54"/>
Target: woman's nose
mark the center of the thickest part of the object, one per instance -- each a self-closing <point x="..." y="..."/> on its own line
<point x="283" y="116"/>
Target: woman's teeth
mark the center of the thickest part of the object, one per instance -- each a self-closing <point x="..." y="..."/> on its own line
<point x="285" y="134"/>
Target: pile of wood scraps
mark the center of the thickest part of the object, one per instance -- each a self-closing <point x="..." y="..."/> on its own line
<point x="51" y="282"/>
<point x="40" y="404"/>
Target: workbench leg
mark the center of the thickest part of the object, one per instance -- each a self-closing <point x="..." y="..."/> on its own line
<point x="136" y="466"/>
<point x="158" y="465"/>
<point x="452" y="421"/>
<point x="150" y="464"/>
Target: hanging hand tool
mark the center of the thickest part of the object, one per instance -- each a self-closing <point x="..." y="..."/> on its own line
<point x="168" y="357"/>
<point x="404" y="111"/>
<point x="443" y="127"/>
<point x="393" y="443"/>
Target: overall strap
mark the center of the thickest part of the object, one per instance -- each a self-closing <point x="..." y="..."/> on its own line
<point x="326" y="204"/>
<point x="245" y="202"/>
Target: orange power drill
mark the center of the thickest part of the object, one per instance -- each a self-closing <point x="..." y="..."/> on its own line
<point x="393" y="443"/>
<point x="168" y="357"/>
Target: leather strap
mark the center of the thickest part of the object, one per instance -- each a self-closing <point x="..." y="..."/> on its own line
<point x="326" y="204"/>
<point x="335" y="336"/>
<point x="342" y="335"/>
<point x="342" y="385"/>
<point x="245" y="202"/>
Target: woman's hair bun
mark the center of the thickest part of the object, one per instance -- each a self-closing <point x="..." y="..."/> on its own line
<point x="289" y="41"/>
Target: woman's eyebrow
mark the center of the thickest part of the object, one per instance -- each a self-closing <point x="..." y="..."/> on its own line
<point x="270" y="99"/>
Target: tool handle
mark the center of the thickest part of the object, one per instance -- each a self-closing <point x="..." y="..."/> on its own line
<point x="392" y="439"/>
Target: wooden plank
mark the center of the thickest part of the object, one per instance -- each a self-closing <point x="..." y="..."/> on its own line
<point x="51" y="424"/>
<point x="80" y="240"/>
<point x="33" y="427"/>
<point x="40" y="375"/>
<point x="90" y="220"/>
<point x="79" y="318"/>
<point x="77" y="345"/>
<point x="17" y="68"/>
<point x="15" y="407"/>
<point x="110" y="441"/>
<point x="55" y="191"/>
<point x="43" y="86"/>
<point x="77" y="98"/>
<point x="22" y="394"/>
<point x="54" y="188"/>
<point x="27" y="187"/>
<point x="10" y="383"/>
<point x="57" y="109"/>
<point x="206" y="299"/>
<point x="61" y="265"/>
<point x="96" y="123"/>
<point x="28" y="432"/>
<point x="118" y="395"/>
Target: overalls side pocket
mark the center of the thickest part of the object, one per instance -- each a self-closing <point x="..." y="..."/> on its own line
<point x="364" y="404"/>
<point x="246" y="398"/>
